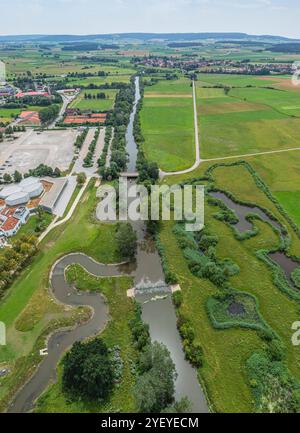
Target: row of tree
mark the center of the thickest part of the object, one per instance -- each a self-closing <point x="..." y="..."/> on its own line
<point x="120" y="120"/>
<point x="100" y="95"/>
<point x="102" y="160"/>
<point x="14" y="259"/>
<point x="88" y="160"/>
<point x="80" y="138"/>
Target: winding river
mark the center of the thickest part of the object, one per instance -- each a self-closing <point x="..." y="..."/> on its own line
<point x="158" y="312"/>
<point x="287" y="264"/>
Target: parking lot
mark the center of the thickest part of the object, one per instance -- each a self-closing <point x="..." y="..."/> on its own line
<point x="31" y="148"/>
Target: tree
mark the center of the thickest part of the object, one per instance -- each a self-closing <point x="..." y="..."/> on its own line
<point x="7" y="178"/>
<point x="81" y="178"/>
<point x="88" y="370"/>
<point x="155" y="386"/>
<point x="17" y="176"/>
<point x="126" y="240"/>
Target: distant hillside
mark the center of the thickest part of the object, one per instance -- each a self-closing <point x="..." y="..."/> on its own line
<point x="292" y="48"/>
<point x="181" y="37"/>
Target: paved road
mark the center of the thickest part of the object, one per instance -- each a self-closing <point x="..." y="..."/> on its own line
<point x="13" y="146"/>
<point x="66" y="101"/>
<point x="78" y="166"/>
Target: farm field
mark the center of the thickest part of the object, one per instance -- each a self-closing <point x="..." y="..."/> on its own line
<point x="168" y="125"/>
<point x="96" y="104"/>
<point x="246" y="120"/>
<point x="281" y="172"/>
<point x="56" y="67"/>
<point x="97" y="81"/>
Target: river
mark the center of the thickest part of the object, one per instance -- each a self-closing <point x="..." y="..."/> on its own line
<point x="159" y="314"/>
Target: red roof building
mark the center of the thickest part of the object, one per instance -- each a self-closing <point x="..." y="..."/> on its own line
<point x="29" y="118"/>
<point x="23" y="94"/>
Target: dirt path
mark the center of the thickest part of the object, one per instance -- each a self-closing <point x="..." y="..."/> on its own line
<point x="247" y="155"/>
<point x="198" y="159"/>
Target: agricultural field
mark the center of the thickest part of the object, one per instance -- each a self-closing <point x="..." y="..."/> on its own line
<point x="95" y="104"/>
<point x="168" y="125"/>
<point x="245" y="119"/>
<point x="98" y="81"/>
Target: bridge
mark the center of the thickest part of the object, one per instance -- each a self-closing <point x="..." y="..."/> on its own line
<point x="133" y="175"/>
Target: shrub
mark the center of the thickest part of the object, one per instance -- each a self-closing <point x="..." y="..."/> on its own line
<point x="194" y="353"/>
<point x="296" y="277"/>
<point x="177" y="298"/>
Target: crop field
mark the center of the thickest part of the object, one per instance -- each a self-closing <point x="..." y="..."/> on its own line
<point x="246" y="120"/>
<point x="96" y="104"/>
<point x="281" y="172"/>
<point x="167" y="124"/>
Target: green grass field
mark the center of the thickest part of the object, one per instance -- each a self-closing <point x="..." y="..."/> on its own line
<point x="246" y="120"/>
<point x="94" y="104"/>
<point x="226" y="351"/>
<point x="116" y="333"/>
<point x="98" y="81"/>
<point x="168" y="126"/>
<point x="28" y="310"/>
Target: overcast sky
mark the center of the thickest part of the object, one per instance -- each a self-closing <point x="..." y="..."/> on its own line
<point x="277" y="17"/>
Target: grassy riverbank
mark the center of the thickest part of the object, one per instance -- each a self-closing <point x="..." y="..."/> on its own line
<point x="28" y="310"/>
<point x="226" y="351"/>
<point x="117" y="333"/>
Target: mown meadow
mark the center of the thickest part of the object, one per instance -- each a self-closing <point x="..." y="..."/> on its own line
<point x="167" y="121"/>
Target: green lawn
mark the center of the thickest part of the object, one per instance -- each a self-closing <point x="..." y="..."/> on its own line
<point x="168" y="125"/>
<point x="290" y="200"/>
<point x="28" y="309"/>
<point x="247" y="120"/>
<point x="226" y="351"/>
<point x="235" y="80"/>
<point x="29" y="227"/>
<point x="116" y="333"/>
<point x="95" y="104"/>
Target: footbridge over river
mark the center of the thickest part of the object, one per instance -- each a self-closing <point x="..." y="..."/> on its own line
<point x="130" y="175"/>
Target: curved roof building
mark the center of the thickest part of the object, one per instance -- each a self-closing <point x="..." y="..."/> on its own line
<point x="9" y="190"/>
<point x="17" y="199"/>
<point x="34" y="189"/>
<point x="28" y="181"/>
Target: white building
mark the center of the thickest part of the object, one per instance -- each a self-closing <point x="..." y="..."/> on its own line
<point x="17" y="199"/>
<point x="26" y="190"/>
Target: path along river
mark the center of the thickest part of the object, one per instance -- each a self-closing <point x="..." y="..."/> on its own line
<point x="149" y="282"/>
